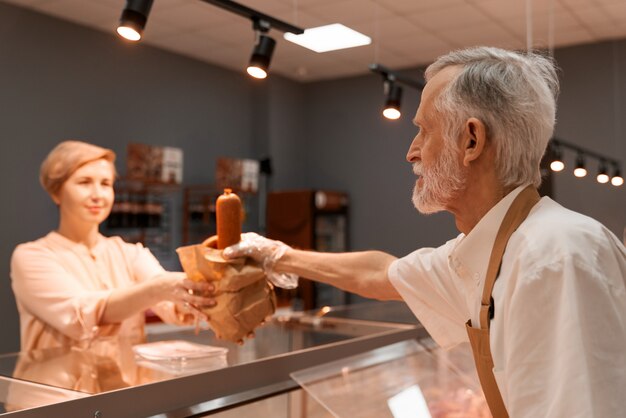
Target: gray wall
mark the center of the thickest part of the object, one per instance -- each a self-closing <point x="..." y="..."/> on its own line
<point x="350" y="146"/>
<point x="59" y="80"/>
<point x="592" y="103"/>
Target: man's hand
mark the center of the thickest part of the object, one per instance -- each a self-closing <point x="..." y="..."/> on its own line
<point x="267" y="252"/>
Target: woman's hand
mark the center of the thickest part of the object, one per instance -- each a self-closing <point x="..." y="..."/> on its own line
<point x="187" y="294"/>
<point x="190" y="297"/>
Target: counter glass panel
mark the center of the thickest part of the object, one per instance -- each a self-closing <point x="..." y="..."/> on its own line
<point x="41" y="377"/>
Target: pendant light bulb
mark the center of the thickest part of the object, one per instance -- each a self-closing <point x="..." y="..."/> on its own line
<point x="134" y="18"/>
<point x="261" y="56"/>
<point x="557" y="165"/>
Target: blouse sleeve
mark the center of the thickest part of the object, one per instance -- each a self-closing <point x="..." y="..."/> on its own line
<point x="145" y="266"/>
<point x="51" y="293"/>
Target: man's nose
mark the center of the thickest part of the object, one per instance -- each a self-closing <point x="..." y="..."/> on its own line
<point x="414" y="151"/>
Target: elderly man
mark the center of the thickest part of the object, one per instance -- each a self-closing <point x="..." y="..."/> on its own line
<point x="549" y="335"/>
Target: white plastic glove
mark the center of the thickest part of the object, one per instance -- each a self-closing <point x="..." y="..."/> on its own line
<point x="267" y="252"/>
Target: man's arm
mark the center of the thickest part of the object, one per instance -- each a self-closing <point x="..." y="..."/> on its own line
<point x="364" y="273"/>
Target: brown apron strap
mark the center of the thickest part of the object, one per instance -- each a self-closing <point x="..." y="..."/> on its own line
<point x="479" y="337"/>
<point x="514" y="217"/>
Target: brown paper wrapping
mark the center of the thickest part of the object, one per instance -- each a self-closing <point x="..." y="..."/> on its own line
<point x="244" y="298"/>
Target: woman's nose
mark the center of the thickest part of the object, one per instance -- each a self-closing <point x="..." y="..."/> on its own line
<point x="97" y="192"/>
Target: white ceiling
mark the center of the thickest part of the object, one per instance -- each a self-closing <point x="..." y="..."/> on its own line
<point x="405" y="33"/>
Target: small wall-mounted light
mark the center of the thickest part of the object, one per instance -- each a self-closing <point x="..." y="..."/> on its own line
<point x="261" y="56"/>
<point x="394" y="97"/>
<point x="602" y="176"/>
<point x="580" y="170"/>
<point x="134" y="18"/>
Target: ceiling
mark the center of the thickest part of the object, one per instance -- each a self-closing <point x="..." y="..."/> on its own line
<point x="405" y="33"/>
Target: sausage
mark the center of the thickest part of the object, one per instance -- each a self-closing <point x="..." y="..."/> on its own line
<point x="228" y="212"/>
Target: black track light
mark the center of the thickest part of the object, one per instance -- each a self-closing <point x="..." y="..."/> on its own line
<point x="392" y="104"/>
<point x="261" y="56"/>
<point x="134" y="18"/>
<point x="580" y="170"/>
<point x="557" y="163"/>
<point x="602" y="177"/>
<point x="617" y="179"/>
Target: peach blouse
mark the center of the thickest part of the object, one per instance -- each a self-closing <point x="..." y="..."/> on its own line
<point x="62" y="287"/>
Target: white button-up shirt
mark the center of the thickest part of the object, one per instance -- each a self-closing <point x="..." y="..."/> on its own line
<point x="558" y="336"/>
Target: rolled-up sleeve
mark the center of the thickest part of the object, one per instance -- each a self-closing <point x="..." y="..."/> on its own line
<point x="424" y="281"/>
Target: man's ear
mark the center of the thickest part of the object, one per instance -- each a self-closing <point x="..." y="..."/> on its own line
<point x="55" y="198"/>
<point x="474" y="140"/>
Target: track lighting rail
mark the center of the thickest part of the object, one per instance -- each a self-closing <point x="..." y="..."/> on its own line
<point x="583" y="151"/>
<point x="393" y="76"/>
<point x="255" y="15"/>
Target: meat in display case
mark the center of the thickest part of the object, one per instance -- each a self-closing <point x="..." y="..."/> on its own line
<point x="310" y="220"/>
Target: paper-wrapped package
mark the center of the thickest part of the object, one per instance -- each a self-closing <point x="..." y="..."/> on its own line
<point x="244" y="297"/>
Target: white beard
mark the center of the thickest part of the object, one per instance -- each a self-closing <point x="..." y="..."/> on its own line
<point x="442" y="181"/>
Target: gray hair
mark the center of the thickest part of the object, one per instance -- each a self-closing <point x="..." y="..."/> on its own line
<point x="513" y="94"/>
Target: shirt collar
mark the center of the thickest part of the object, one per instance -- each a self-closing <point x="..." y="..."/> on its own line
<point x="67" y="243"/>
<point x="472" y="253"/>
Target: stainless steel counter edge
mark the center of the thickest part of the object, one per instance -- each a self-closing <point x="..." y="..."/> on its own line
<point x="216" y="389"/>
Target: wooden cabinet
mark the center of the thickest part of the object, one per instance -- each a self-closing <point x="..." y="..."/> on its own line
<point x="310" y="220"/>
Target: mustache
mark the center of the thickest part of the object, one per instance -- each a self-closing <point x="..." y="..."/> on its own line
<point x="417" y="169"/>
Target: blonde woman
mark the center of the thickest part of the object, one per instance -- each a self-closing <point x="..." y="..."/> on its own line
<point x="74" y="284"/>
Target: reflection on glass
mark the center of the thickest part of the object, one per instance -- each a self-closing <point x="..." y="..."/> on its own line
<point x="41" y="377"/>
<point x="398" y="381"/>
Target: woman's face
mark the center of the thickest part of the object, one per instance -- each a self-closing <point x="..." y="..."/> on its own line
<point x="87" y="195"/>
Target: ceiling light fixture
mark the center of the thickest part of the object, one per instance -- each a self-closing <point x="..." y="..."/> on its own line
<point x="580" y="170"/>
<point x="394" y="97"/>
<point x="134" y="18"/>
<point x="557" y="163"/>
<point x="393" y="90"/>
<point x="617" y="179"/>
<point x="261" y="23"/>
<point x="329" y="38"/>
<point x="602" y="177"/>
<point x="263" y="50"/>
<point x="556" y="148"/>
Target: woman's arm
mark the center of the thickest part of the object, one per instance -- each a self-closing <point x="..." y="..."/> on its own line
<point x="169" y="286"/>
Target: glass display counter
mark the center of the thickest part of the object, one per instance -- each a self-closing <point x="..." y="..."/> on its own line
<point x="109" y="379"/>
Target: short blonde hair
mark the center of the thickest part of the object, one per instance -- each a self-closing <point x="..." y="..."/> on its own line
<point x="66" y="158"/>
